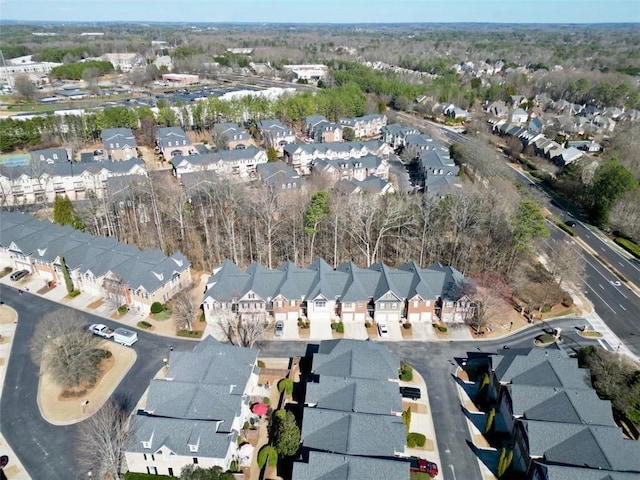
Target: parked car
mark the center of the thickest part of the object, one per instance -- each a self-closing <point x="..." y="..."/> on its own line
<point x="424" y="466"/>
<point x="382" y="329"/>
<point x="570" y="223"/>
<point x="279" y="331"/>
<point x="15" y="276"/>
<point x="412" y="393"/>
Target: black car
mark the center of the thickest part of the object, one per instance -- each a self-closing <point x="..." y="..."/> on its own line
<point x="411" y="393"/>
<point x="15" y="276"/>
<point x="570" y="223"/>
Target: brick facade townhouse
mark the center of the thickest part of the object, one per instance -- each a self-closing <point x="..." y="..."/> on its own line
<point x="96" y="265"/>
<point x="319" y="292"/>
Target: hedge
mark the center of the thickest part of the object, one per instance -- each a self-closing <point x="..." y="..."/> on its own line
<point x="629" y="246"/>
<point x="566" y="228"/>
<point x="143" y="324"/>
<point x="156" y="307"/>
<point x="190" y="333"/>
<point x="285" y="385"/>
<point x="74" y="293"/>
<point x="416" y="439"/>
<point x="406" y="372"/>
<point x="267" y="455"/>
<point x="146" y="476"/>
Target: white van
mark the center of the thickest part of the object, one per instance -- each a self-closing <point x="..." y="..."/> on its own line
<point x="124" y="336"/>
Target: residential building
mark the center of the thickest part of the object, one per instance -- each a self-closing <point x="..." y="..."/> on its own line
<point x="456" y="113"/>
<point x="276" y="135"/>
<point x="352" y="168"/>
<point x="498" y="109"/>
<point x="119" y="143"/>
<point x="321" y="130"/>
<point x="395" y="134"/>
<point x="97" y="265"/>
<point x="415" y="144"/>
<point x="352" y="413"/>
<point x="302" y="156"/>
<point x="195" y="413"/>
<point x="321" y="293"/>
<point x="367" y="126"/>
<point x="173" y="141"/>
<point x="435" y="165"/>
<point x="554" y="419"/>
<point x="239" y="163"/>
<point x="372" y="185"/>
<point x="279" y="176"/>
<point x="231" y="135"/>
<point x="519" y="116"/>
<point x="49" y="156"/>
<point x="41" y="182"/>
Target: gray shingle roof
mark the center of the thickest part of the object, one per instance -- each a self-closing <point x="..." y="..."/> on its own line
<point x="353" y="433"/>
<point x="45" y="241"/>
<point x="213" y="363"/>
<point x="176" y="435"/>
<point x="171" y="134"/>
<point x="321" y="150"/>
<point x="561" y="472"/>
<point x="583" y="445"/>
<point x="355" y="359"/>
<point x="194" y="401"/>
<point x="358" y="395"/>
<point x="53" y="155"/>
<point x="327" y="466"/>
<point x="122" y="136"/>
<point x="568" y="406"/>
<point x="347" y="282"/>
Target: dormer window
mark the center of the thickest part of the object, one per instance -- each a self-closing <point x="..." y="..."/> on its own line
<point x="193" y="448"/>
<point x="146" y="444"/>
<point x="55" y="156"/>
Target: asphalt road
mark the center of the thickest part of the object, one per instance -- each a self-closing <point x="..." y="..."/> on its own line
<point x="399" y="170"/>
<point x="48" y="451"/>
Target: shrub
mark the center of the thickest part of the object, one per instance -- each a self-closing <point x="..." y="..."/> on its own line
<point x="406" y="326"/>
<point x="367" y="324"/>
<point x="5" y="271"/>
<point x="545" y="338"/>
<point x="233" y="467"/>
<point x="340" y="327"/>
<point x="567" y="300"/>
<point x="260" y="364"/>
<point x="416" y="439"/>
<point x="266" y="400"/>
<point x="156" y="307"/>
<point x="334" y="325"/>
<point x="107" y="353"/>
<point x="143" y="324"/>
<point x="74" y="293"/>
<point x="441" y="328"/>
<point x="406" y="372"/>
<point x="73" y="394"/>
<point x="267" y="455"/>
<point x="406" y="418"/>
<point x="122" y="309"/>
<point x="545" y="309"/>
<point x="190" y="333"/>
<point x="566" y="228"/>
<point x="285" y="385"/>
<point x="202" y="317"/>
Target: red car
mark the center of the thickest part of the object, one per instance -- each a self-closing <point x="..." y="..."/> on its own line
<point x="424" y="466"/>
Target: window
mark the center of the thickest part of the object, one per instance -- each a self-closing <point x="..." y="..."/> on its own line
<point x="279" y="303"/>
<point x="383" y="306"/>
<point x="359" y="304"/>
<point x="415" y="304"/>
<point x="292" y="303"/>
<point x="427" y="303"/>
<point x="42" y="158"/>
<point x="394" y="305"/>
<point x="347" y="306"/>
<point x="320" y="303"/>
<point x="111" y="145"/>
<point x="251" y="296"/>
<point x="169" y="144"/>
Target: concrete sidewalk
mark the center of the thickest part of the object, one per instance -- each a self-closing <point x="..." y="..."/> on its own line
<point x="8" y="320"/>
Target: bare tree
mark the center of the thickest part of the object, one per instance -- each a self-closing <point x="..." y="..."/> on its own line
<point x="184" y="310"/>
<point x="566" y="263"/>
<point x="115" y="290"/>
<point x="487" y="292"/>
<point x="242" y="329"/>
<point x="24" y="89"/>
<point x="65" y="349"/>
<point x="101" y="440"/>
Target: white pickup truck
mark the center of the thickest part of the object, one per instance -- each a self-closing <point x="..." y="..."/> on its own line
<point x="101" y="330"/>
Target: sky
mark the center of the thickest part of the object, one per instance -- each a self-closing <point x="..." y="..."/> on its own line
<point x="325" y="11"/>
